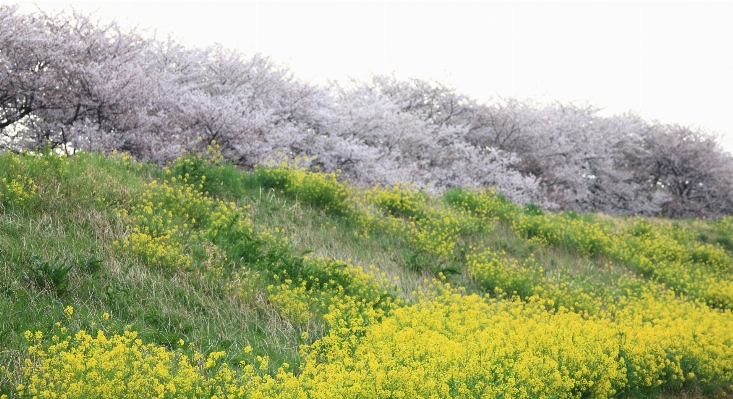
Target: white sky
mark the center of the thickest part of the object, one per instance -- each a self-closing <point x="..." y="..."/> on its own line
<point x="668" y="61"/>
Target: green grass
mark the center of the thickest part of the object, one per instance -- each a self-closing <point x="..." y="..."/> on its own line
<point x="72" y="219"/>
<point x="57" y="249"/>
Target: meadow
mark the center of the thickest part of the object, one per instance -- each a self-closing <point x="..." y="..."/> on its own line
<point x="120" y="278"/>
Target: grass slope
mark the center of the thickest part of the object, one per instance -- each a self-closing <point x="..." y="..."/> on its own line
<point x="282" y="283"/>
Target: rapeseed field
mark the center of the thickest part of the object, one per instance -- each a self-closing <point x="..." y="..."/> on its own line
<point x="126" y="279"/>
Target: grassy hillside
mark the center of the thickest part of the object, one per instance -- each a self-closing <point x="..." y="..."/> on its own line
<point x="124" y="279"/>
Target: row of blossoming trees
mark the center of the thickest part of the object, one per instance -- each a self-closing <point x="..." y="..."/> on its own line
<point x="79" y="83"/>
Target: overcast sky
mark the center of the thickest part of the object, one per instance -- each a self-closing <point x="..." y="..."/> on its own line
<point x="667" y="61"/>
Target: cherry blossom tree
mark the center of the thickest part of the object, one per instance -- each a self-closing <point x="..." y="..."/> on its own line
<point x="420" y="127"/>
<point x="689" y="165"/>
<point x="72" y="81"/>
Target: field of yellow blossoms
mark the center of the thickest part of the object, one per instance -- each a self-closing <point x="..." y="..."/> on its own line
<point x="124" y="279"/>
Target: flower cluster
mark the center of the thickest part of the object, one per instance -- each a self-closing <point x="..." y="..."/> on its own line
<point x="16" y="190"/>
<point x="454" y="345"/>
<point x="404" y="211"/>
<point x="104" y="365"/>
<point x="15" y="186"/>
<point x="322" y="190"/>
<point x="668" y="253"/>
<point x="448" y="344"/>
<point x="641" y="310"/>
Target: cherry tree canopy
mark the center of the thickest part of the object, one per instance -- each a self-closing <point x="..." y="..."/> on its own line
<point x="72" y="82"/>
